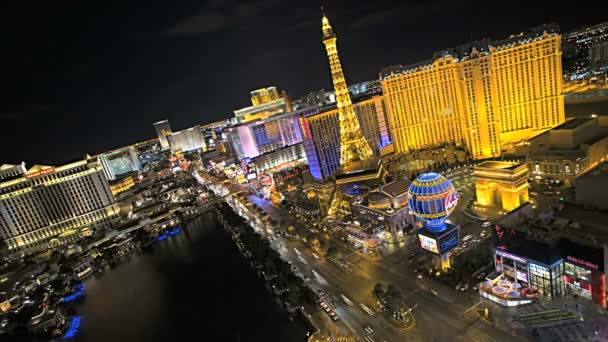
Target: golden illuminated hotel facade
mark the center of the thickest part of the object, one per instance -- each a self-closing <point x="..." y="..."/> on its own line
<point x="46" y="206"/>
<point x="484" y="94"/>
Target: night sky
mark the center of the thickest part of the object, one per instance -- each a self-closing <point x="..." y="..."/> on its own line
<point x="87" y="76"/>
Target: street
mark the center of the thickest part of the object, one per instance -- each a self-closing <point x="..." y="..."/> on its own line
<point x="435" y="318"/>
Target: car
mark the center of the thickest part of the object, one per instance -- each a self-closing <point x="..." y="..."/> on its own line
<point x="467" y="238"/>
<point x="335" y="317"/>
<point x="306" y="278"/>
<point x="419" y="276"/>
<point x="464" y="287"/>
<point x="476" y="287"/>
<point x="328" y="310"/>
<point x="458" y="287"/>
<point x="321" y="293"/>
<point x="483" y="233"/>
<point x="323" y="305"/>
<point x="315" y="256"/>
<point x="486" y="224"/>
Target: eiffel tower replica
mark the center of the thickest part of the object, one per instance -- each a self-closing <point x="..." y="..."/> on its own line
<point x="358" y="164"/>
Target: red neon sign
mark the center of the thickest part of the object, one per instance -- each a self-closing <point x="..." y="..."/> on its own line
<point x="450" y="200"/>
<point x="582" y="263"/>
<point x="40" y="173"/>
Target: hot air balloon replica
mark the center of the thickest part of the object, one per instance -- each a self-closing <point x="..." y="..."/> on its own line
<point x="432" y="198"/>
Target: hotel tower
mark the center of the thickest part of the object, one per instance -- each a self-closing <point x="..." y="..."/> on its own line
<point x="485" y="95"/>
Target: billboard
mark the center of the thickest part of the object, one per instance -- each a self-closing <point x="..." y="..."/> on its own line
<point x="428" y="243"/>
<point x="448" y="241"/>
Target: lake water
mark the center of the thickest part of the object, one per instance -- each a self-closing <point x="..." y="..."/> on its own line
<point x="194" y="286"/>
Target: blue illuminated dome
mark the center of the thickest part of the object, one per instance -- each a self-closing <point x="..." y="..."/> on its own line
<point x="432" y="198"/>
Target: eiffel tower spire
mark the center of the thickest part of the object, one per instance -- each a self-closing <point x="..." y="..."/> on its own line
<point x="354" y="149"/>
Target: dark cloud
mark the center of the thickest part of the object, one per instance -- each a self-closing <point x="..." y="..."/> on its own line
<point x="108" y="75"/>
<point x="401" y="13"/>
<point x="25" y="112"/>
<point x="218" y="15"/>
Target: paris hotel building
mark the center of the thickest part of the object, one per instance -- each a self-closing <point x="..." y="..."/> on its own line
<point x="485" y="94"/>
<point x="46" y="206"/>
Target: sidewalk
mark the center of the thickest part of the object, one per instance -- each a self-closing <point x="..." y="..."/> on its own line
<point x="595" y="319"/>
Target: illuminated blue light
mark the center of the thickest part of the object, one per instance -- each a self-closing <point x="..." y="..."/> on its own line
<point x="79" y="292"/>
<point x="162" y="237"/>
<point x="175" y="231"/>
<point x="432" y="198"/>
<point x="72" y="329"/>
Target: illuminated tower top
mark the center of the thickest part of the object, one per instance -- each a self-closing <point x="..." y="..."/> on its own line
<point x="354" y="149"/>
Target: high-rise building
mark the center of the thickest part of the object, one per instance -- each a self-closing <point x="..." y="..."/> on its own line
<point x="354" y="149"/>
<point x="598" y="57"/>
<point x="253" y="138"/>
<point x="266" y="102"/>
<point x="322" y="141"/>
<point x="577" y="46"/>
<point x="163" y="129"/>
<point x="484" y="94"/>
<point x="372" y="115"/>
<point x="9" y="170"/>
<point x="47" y="205"/>
<point x="320" y="133"/>
<point x="323" y="98"/>
<point x="120" y="161"/>
<point x="212" y="133"/>
<point x="266" y="144"/>
<point x="187" y="140"/>
<point x="264" y="95"/>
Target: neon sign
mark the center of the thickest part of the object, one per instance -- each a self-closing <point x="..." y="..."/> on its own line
<point x="582" y="263"/>
<point x="511" y="256"/>
<point x="450" y="200"/>
<point x="40" y="173"/>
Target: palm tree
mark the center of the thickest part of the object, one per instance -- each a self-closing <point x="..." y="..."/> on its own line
<point x="393" y="298"/>
<point x="378" y="293"/>
<point x="333" y="253"/>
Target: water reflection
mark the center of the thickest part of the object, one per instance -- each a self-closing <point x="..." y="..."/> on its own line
<point x="193" y="284"/>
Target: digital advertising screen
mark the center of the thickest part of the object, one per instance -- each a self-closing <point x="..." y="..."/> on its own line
<point x="448" y="241"/>
<point x="428" y="243"/>
<point x="523" y="276"/>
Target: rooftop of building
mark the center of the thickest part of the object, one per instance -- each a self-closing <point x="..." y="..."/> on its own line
<point x="548" y="254"/>
<point x="491" y="164"/>
<point x="572" y="124"/>
<point x="483" y="46"/>
<point x="377" y="197"/>
<point x="260" y="108"/>
<point x="7" y="166"/>
<point x="398" y="187"/>
<point x="598" y="173"/>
